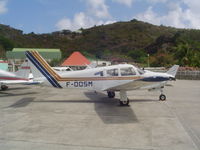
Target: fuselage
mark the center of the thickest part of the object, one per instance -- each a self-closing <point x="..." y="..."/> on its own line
<point x="12" y="78"/>
<point x="111" y="78"/>
<point x="4" y="75"/>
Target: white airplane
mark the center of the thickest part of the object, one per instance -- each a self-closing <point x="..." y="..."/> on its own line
<point x="19" y="77"/>
<point x="114" y="78"/>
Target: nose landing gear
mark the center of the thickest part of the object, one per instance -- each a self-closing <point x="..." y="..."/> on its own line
<point x="162" y="96"/>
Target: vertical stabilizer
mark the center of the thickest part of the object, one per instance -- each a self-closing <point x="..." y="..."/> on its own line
<point x="173" y="70"/>
<point x="41" y="69"/>
<point x="24" y="70"/>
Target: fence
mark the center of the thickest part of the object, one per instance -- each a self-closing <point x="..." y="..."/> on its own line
<point x="184" y="75"/>
<point x="188" y="75"/>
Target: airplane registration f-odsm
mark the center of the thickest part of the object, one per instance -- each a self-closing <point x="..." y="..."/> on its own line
<point x="116" y="78"/>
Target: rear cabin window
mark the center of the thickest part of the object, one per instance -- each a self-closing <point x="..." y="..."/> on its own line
<point x="127" y="71"/>
<point x="112" y="72"/>
<point x="100" y="73"/>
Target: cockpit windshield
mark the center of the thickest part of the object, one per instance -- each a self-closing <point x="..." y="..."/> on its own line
<point x="127" y="71"/>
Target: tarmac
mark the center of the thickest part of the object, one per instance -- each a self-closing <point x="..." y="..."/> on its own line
<point x="33" y="117"/>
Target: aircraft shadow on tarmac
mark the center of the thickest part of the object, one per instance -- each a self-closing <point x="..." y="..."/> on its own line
<point x="110" y="111"/>
<point x="17" y="88"/>
<point x="107" y="109"/>
<point x="22" y="102"/>
<point x="6" y="94"/>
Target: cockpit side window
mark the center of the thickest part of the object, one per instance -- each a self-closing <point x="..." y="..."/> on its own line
<point x="127" y="71"/>
<point x="100" y="73"/>
<point x="112" y="72"/>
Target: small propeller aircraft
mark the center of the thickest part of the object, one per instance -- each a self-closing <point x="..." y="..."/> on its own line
<point x="19" y="77"/>
<point x="116" y="78"/>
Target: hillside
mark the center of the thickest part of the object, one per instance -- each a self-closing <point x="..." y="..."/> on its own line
<point x="131" y="40"/>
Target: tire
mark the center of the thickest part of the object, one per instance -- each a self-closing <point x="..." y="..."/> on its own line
<point x="111" y="94"/>
<point x="124" y="103"/>
<point x="162" y="97"/>
<point x="4" y="87"/>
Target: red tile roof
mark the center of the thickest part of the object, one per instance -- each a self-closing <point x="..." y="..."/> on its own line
<point x="76" y="59"/>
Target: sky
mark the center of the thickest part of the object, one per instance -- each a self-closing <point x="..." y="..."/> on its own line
<point x="45" y="16"/>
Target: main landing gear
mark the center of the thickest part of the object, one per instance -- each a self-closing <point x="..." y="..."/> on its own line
<point x="124" y="101"/>
<point x="162" y="96"/>
<point x="4" y="87"/>
<point x="111" y="94"/>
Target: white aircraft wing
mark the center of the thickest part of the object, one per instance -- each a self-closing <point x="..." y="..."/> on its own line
<point x="136" y="84"/>
<point x="7" y="82"/>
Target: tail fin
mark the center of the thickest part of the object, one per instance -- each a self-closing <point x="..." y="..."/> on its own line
<point x="24" y="70"/>
<point x="173" y="70"/>
<point x="41" y="69"/>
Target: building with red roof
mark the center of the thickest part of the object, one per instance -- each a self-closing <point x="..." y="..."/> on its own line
<point x="76" y="61"/>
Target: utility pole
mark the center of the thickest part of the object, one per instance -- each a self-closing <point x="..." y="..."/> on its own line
<point x="148" y="61"/>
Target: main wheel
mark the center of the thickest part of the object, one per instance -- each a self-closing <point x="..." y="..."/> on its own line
<point x="162" y="97"/>
<point x="111" y="94"/>
<point x="4" y="87"/>
<point x="124" y="103"/>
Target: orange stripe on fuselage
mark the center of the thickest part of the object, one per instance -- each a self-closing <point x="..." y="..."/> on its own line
<point x="58" y="78"/>
<point x="45" y="65"/>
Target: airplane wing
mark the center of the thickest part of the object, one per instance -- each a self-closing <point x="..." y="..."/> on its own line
<point x="149" y="83"/>
<point x="136" y="84"/>
<point x="6" y="82"/>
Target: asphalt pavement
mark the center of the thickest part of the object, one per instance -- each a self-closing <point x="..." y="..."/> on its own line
<point x="33" y="117"/>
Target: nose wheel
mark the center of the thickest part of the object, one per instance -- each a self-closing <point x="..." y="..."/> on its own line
<point x="162" y="97"/>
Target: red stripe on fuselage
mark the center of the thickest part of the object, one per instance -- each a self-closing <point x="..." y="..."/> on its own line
<point x="26" y="67"/>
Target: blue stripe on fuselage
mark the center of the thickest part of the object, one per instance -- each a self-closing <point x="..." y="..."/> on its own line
<point x="42" y="70"/>
<point x="28" y="54"/>
<point x="155" y="79"/>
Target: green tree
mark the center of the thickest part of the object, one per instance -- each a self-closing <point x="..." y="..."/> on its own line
<point x="187" y="55"/>
<point x="55" y="62"/>
<point x="6" y="43"/>
<point x="161" y="59"/>
<point x="138" y="56"/>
